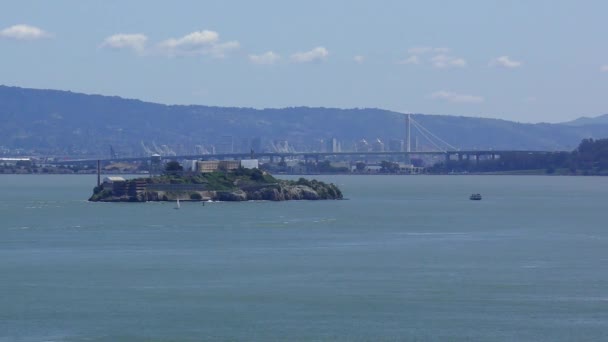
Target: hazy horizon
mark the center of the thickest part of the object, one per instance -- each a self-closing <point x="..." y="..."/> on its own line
<point x="297" y="106"/>
<point x="472" y="58"/>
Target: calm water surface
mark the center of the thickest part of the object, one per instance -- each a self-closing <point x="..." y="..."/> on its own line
<point x="405" y="258"/>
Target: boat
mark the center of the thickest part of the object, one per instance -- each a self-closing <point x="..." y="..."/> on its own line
<point x="475" y="197"/>
<point x="177" y="206"/>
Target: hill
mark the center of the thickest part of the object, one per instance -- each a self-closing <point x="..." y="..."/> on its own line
<point x="66" y="123"/>
<point x="584" y="121"/>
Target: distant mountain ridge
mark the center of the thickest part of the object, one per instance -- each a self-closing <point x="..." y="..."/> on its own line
<point x="62" y="122"/>
<point x="584" y="120"/>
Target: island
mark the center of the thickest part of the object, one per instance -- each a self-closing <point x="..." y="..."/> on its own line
<point x="240" y="184"/>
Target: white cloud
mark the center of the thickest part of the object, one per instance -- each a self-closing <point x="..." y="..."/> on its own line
<point x="192" y="40"/>
<point x="220" y="50"/>
<point x="265" y="58"/>
<point x="440" y="58"/>
<point x="134" y="41"/>
<point x="359" y="59"/>
<point x="204" y="42"/>
<point x="421" y="50"/>
<point x="317" y="54"/>
<point x="505" y="62"/>
<point x="410" y="60"/>
<point x="445" y="61"/>
<point x="24" y="32"/>
<point x="455" y="97"/>
<point x="604" y="68"/>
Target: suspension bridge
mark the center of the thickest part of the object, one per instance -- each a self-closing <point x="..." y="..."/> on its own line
<point x="439" y="148"/>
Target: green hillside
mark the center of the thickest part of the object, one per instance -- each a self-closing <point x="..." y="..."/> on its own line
<point x="66" y="123"/>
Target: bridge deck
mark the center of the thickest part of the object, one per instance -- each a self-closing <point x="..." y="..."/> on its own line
<point x="308" y="155"/>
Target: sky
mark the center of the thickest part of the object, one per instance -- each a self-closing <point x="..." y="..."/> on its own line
<point x="527" y="61"/>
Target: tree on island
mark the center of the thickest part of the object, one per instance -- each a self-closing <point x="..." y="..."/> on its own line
<point x="389" y="167"/>
<point x="173" y="167"/>
<point x="590" y="158"/>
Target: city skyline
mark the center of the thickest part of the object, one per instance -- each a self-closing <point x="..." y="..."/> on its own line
<point x="473" y="58"/>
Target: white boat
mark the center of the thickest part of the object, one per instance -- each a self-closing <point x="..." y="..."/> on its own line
<point x="177" y="206"/>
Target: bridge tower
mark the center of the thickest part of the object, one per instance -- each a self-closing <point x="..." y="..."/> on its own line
<point x="408" y="138"/>
<point x="408" y="143"/>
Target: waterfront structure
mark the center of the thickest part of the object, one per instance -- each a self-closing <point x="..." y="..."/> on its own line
<point x="410" y="169"/>
<point x="14" y="161"/>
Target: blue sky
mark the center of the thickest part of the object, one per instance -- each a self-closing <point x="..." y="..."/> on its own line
<point x="527" y="61"/>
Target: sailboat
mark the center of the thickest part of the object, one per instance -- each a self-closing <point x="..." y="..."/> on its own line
<point x="177" y="206"/>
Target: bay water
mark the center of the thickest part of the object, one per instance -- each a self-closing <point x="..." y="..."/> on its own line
<point x="404" y="258"/>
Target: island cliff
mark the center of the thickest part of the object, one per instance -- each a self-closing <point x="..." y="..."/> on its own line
<point x="238" y="185"/>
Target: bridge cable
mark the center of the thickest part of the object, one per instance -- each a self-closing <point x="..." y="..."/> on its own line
<point x="428" y="139"/>
<point x="433" y="135"/>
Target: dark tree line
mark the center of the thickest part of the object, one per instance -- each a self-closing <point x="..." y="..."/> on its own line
<point x="590" y="157"/>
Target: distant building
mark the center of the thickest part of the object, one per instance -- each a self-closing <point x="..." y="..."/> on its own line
<point x="200" y="149"/>
<point x="155" y="164"/>
<point x="189" y="165"/>
<point x="295" y="166"/>
<point x="333" y="145"/>
<point x="343" y="164"/>
<point x="14" y="161"/>
<point x="395" y="145"/>
<point x="256" y="144"/>
<point x="410" y="169"/>
<point x="372" y="168"/>
<point x="378" y="146"/>
<point x="121" y="187"/>
<point x="207" y="166"/>
<point x="229" y="165"/>
<point x="362" y="146"/>
<point x="225" y="165"/>
<point x="116" y="184"/>
<point x="112" y="179"/>
<point x="250" y="163"/>
<point x="244" y="145"/>
<point x="318" y="145"/>
<point x="407" y="169"/>
<point x="225" y="145"/>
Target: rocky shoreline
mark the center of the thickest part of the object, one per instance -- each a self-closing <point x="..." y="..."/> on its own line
<point x="232" y="188"/>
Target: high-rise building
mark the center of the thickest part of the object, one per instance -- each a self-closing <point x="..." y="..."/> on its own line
<point x="225" y="144"/>
<point x="362" y="146"/>
<point x="243" y="146"/>
<point x="256" y="145"/>
<point x="332" y="145"/>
